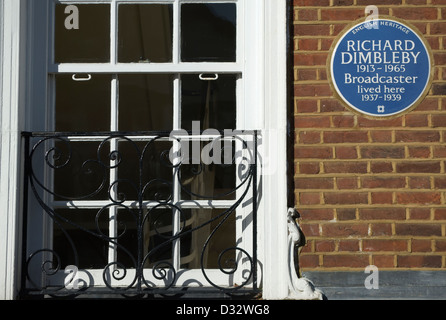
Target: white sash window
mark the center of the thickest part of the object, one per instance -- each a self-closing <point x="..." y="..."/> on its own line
<point x="144" y="69"/>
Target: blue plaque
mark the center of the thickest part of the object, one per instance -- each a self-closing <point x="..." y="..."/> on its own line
<point x="381" y="68"/>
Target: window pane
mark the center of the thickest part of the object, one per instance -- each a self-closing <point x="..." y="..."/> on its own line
<point x="78" y="173"/>
<point x="219" y="249"/>
<point x="146" y="102"/>
<point x="87" y="41"/>
<point x="211" y="102"/>
<point x="144" y="170"/>
<point x="83" y="105"/>
<point x="208" y="32"/>
<point x="145" y="33"/>
<point x="214" y="181"/>
<point x="91" y="250"/>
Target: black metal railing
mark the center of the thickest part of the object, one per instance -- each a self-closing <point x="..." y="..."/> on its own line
<point x="123" y="213"/>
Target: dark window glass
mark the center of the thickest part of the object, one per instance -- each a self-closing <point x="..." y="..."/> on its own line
<point x="208" y="32"/>
<point x="79" y="174"/>
<point x="83" y="105"/>
<point x="210" y="102"/>
<point x="91" y="250"/>
<point x="145" y="33"/>
<point x="87" y="41"/>
<point x="145" y="102"/>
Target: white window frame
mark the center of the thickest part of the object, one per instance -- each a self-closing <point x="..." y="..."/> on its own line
<point x="24" y="63"/>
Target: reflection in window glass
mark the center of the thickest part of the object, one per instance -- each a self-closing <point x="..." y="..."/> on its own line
<point x="145" y="33"/>
<point x="144" y="167"/>
<point x="91" y="250"/>
<point x="215" y="181"/>
<point x="211" y="102"/>
<point x="218" y="250"/>
<point x="208" y="32"/>
<point x="89" y="41"/>
<point x="145" y="102"/>
<point x="83" y="105"/>
<point x="79" y="174"/>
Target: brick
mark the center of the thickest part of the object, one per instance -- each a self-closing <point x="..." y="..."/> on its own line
<point x="312" y="90"/>
<point x="346" y="198"/>
<point x="306" y="74"/>
<point x="343" y="121"/>
<point x="341" y="14"/>
<point x="312" y="30"/>
<point x="310" y="59"/>
<point x="419" y="152"/>
<point x="307" y="14"/>
<point x="438" y="120"/>
<point x="350" y="260"/>
<point x="415" y="13"/>
<point x="420" y="213"/>
<point x="378" y="245"/>
<point x="311" y="122"/>
<point x="317" y="214"/>
<point x="417" y="229"/>
<point x="318" y="3"/>
<point x="341" y="229"/>
<point x="345" y="136"/>
<point x="419" y="183"/>
<point x="439" y="89"/>
<point x="348" y="245"/>
<point x="381" y="136"/>
<point x="314" y="183"/>
<point x="306" y="106"/>
<point x="383" y="261"/>
<point x="379" y="123"/>
<point x="440" y="245"/>
<point x="416" y="120"/>
<point x="418" y="245"/>
<point x="331" y="105"/>
<point x="440" y="182"/>
<point x="325" y="246"/>
<point x="309" y="261"/>
<point x="346" y="153"/>
<point x="344" y="214"/>
<point x="438" y="28"/>
<point x="381" y="167"/>
<point x="309" y="137"/>
<point x="313" y="152"/>
<point x="417" y="136"/>
<point x="440" y="58"/>
<point x="378" y="2"/>
<point x="419" y="261"/>
<point x="309" y="168"/>
<point x="347" y="183"/>
<point x="309" y="198"/>
<point x="310" y="230"/>
<point x="424" y="198"/>
<point x="418" y="167"/>
<point x="342" y="2"/>
<point x="345" y="167"/>
<point x="381" y="229"/>
<point x="440" y="214"/>
<point x="381" y="197"/>
<point x="389" y="183"/>
<point x="382" y="152"/>
<point x="382" y="213"/>
<point x="307" y="44"/>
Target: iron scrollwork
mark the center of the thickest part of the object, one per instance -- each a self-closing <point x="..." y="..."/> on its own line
<point x="145" y="210"/>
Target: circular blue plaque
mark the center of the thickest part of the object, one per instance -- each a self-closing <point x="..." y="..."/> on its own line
<point x="380" y="68"/>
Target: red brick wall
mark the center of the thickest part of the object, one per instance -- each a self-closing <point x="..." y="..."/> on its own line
<point x="369" y="191"/>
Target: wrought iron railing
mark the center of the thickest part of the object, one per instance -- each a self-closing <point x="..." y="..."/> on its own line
<point x="137" y="197"/>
